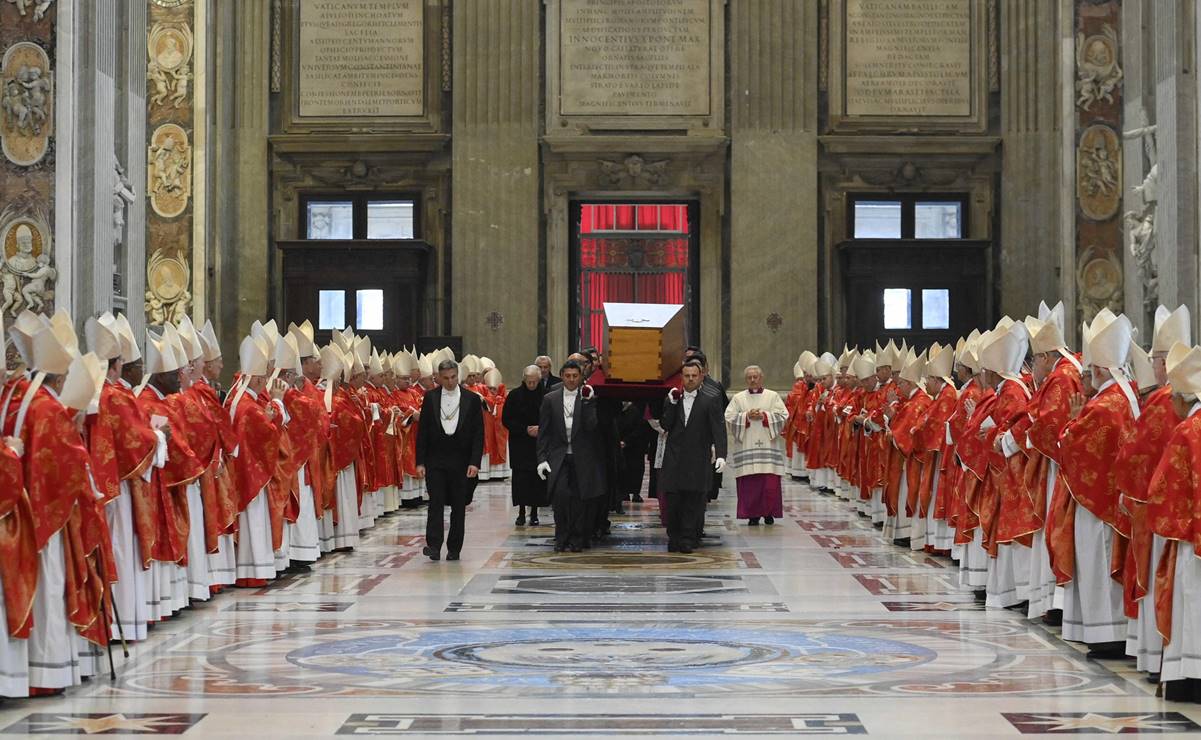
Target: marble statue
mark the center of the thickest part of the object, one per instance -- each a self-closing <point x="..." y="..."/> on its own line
<point x="1141" y="223"/>
<point x="123" y="196"/>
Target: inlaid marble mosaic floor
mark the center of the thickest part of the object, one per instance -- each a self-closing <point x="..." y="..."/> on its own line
<point x="814" y="625"/>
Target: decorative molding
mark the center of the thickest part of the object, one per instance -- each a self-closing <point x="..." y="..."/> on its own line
<point x="823" y="46"/>
<point x="774" y="321"/>
<point x="994" y="52"/>
<point x="277" y="41"/>
<point x="495" y="320"/>
<point x="447" y="64"/>
<point x="1099" y="281"/>
<point x="169" y="170"/>
<point x="633" y="170"/>
<point x="167" y="296"/>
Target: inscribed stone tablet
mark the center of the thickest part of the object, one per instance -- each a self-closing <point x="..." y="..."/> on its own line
<point x="361" y="58"/>
<point x="634" y="57"/>
<point x="908" y="57"/>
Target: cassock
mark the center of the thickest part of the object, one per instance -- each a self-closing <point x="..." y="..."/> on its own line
<point x="520" y="412"/>
<point x="218" y="488"/>
<point x="1014" y="518"/>
<point x="930" y="440"/>
<point x="757" y="452"/>
<point x="347" y="430"/>
<point x="18" y="575"/>
<point x="308" y="429"/>
<point x="793" y="438"/>
<point x="169" y="486"/>
<point x="255" y="459"/>
<point x="973" y="459"/>
<point x="123" y="448"/>
<point x="1174" y="513"/>
<point x="1093" y="610"/>
<point x="904" y="470"/>
<point x="1048" y="414"/>
<point x="55" y="466"/>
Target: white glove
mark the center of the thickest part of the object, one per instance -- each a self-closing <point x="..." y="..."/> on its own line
<point x="720" y="465"/>
<point x="587" y="392"/>
<point x="543" y="470"/>
<point x="674" y="395"/>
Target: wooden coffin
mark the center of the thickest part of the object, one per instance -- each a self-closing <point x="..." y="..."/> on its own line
<point x="646" y="341"/>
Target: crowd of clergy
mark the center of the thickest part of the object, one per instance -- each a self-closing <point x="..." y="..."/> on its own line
<point x="1066" y="485"/>
<point x="132" y="484"/>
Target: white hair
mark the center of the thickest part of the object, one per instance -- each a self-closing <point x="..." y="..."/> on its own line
<point x="752" y="367"/>
<point x="532" y="370"/>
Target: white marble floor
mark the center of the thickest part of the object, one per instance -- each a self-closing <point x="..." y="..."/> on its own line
<point x="812" y="626"/>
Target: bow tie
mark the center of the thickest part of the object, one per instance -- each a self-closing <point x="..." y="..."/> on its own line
<point x="689" y="394"/>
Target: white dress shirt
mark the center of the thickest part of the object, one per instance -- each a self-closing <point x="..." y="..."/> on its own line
<point x="569" y="398"/>
<point x="689" y="399"/>
<point x="450" y="408"/>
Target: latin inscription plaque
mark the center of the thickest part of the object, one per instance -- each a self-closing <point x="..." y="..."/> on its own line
<point x="361" y="58"/>
<point x="908" y="58"/>
<point x="634" y="57"/>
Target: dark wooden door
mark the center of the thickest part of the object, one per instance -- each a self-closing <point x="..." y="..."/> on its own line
<point x="386" y="278"/>
<point x="920" y="292"/>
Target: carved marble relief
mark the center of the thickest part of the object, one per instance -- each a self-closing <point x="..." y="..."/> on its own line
<point x="169" y="69"/>
<point x="169" y="170"/>
<point x="1099" y="172"/>
<point x="1099" y="281"/>
<point x="1141" y="223"/>
<point x="1097" y="70"/>
<point x="167" y="296"/>
<point x="39" y="7"/>
<point x="26" y="274"/>
<point x="26" y="103"/>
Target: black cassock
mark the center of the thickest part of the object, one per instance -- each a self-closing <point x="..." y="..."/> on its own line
<point x="521" y="410"/>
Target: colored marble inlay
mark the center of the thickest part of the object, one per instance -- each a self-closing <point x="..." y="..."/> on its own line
<point x="1109" y="723"/>
<point x="895" y="584"/>
<point x="884" y="560"/>
<point x="635" y="658"/>
<point x="591" y="607"/>
<point x="102" y="723"/>
<point x="597" y="724"/>
<point x="619" y="584"/>
<point x="708" y="559"/>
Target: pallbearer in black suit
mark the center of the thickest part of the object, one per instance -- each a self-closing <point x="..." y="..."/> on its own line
<point x="569" y="457"/>
<point x="695" y="449"/>
<point x="450" y="444"/>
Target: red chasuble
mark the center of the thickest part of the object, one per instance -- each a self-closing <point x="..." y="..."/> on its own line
<point x="1174" y="510"/>
<point x="18" y="548"/>
<point x="170" y="481"/>
<point x="1049" y="414"/>
<point x="1089" y="448"/>
<point x="931" y="436"/>
<point x="1016" y="518"/>
<point x="258" y="439"/>
<point x="905" y="429"/>
<point x="1136" y="464"/>
<point x="795" y="403"/>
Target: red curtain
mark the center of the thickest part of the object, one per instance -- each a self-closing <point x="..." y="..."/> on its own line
<point x="600" y="284"/>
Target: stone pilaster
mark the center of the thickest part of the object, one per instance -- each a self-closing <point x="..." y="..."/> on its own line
<point x="773" y="250"/>
<point x="131" y="152"/>
<point x="1175" y="119"/>
<point x="96" y="149"/>
<point x="1031" y="130"/>
<point x="495" y="169"/>
<point x="240" y="277"/>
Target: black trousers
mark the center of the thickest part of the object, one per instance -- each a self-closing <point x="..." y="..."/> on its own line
<point x="446" y="488"/>
<point x="685" y="516"/>
<point x="634" y="472"/>
<point x="572" y="520"/>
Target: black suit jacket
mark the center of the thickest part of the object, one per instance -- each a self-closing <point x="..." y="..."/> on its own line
<point x="551" y="381"/>
<point x="455" y="452"/>
<point x="586" y="448"/>
<point x="687" y="457"/>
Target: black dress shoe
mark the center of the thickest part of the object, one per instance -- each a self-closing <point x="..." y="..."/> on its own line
<point x="637" y="498"/>
<point x="520" y="521"/>
<point x="769" y="520"/>
<point x="576" y="548"/>
<point x="686" y="549"/>
<point x="534" y="521"/>
<point x="753" y="521"/>
<point x="1054" y="618"/>
<point x="431" y="553"/>
<point x="452" y="556"/>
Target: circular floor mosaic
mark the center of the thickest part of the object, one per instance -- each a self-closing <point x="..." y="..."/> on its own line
<point x="548" y="659"/>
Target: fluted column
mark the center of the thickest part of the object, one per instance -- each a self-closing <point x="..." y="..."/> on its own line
<point x="773" y="265"/>
<point x="131" y="150"/>
<point x="495" y="166"/>
<point x="1031" y="124"/>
